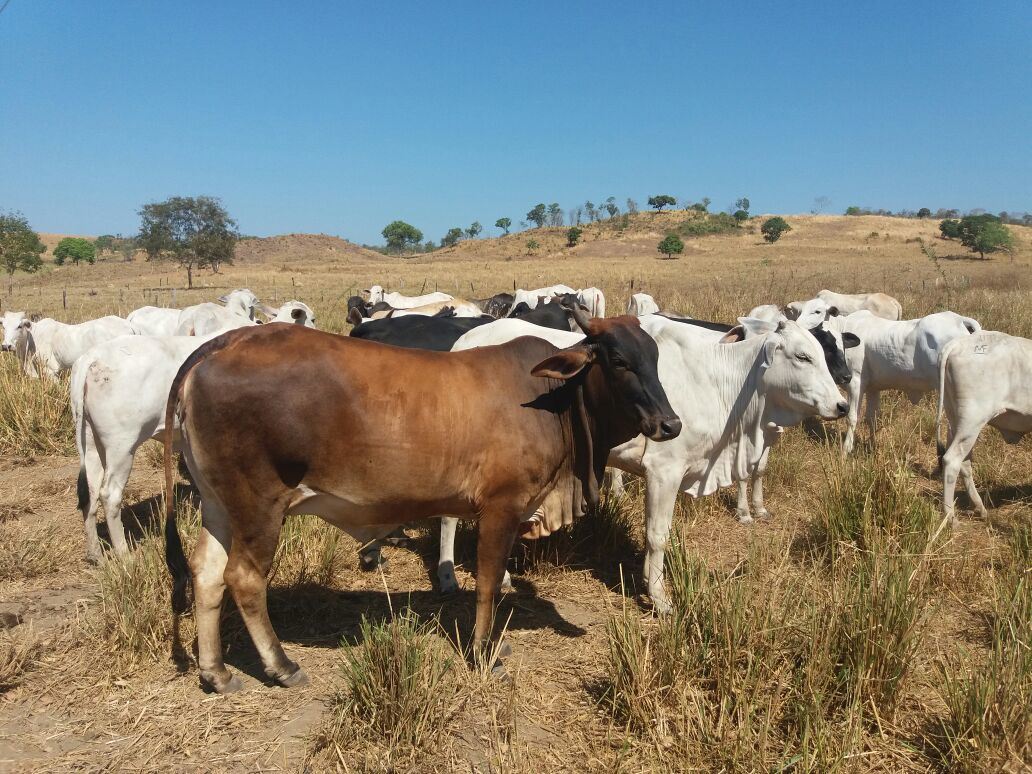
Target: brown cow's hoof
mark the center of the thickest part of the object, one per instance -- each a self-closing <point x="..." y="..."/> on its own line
<point x="295" y="680"/>
<point x="505" y="650"/>
<point x="232" y="685"/>
<point x="499" y="672"/>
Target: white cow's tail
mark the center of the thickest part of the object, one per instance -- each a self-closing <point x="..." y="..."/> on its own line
<point x="77" y="400"/>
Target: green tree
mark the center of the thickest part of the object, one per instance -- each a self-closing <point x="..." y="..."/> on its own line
<point x="573" y="236"/>
<point x="532" y="245"/>
<point x="632" y="206"/>
<point x="195" y="232"/>
<point x="474" y="230"/>
<point x="555" y="214"/>
<point x="429" y="246"/>
<point x="127" y="246"/>
<point x="401" y="236"/>
<point x="741" y="215"/>
<point x="924" y="212"/>
<point x="984" y="234"/>
<point x="504" y="224"/>
<point x="611" y="207"/>
<point x="773" y="228"/>
<point x="538" y="215"/>
<point x="661" y="201"/>
<point x="742" y="204"/>
<point x="853" y="210"/>
<point x="452" y="237"/>
<point x="590" y="211"/>
<point x="949" y="228"/>
<point x="76" y="248"/>
<point x="20" y="246"/>
<point x="671" y="246"/>
<point x="105" y="243"/>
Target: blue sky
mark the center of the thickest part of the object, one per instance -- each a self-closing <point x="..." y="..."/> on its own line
<point x="340" y="117"/>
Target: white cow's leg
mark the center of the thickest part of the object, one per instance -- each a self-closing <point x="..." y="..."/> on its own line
<point x="660" y="495"/>
<point x="446" y="560"/>
<point x="91" y="474"/>
<point x="969" y="482"/>
<point x="759" y="508"/>
<point x="871" y="415"/>
<point x="116" y="475"/>
<point x="853" y="395"/>
<point x="616" y="484"/>
<point x="742" y="508"/>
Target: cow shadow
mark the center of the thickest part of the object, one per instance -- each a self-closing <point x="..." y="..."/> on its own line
<point x="321" y="617"/>
<point x="143" y="519"/>
<point x="1009" y="493"/>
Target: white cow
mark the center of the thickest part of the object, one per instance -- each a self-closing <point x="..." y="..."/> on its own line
<point x="398" y="301"/>
<point x="118" y="393"/>
<point x="461" y="308"/>
<point x="896" y="355"/>
<point x="593" y="300"/>
<point x="985" y="378"/>
<point x="202" y="319"/>
<point x="879" y="304"/>
<point x="533" y="297"/>
<point x="642" y="303"/>
<point x="154" y="320"/>
<point x="11" y="322"/>
<point x="733" y="400"/>
<point x="48" y="348"/>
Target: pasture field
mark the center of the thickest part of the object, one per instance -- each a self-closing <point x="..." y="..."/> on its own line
<point x="845" y="633"/>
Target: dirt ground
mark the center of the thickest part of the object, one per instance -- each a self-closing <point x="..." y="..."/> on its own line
<point x="81" y="707"/>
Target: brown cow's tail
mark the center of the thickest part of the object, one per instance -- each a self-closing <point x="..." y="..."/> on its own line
<point x="175" y="556"/>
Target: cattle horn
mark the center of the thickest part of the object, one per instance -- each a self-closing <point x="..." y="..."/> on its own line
<point x="580" y="314"/>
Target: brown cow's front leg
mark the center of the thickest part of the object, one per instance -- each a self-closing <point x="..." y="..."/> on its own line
<point x="250" y="559"/>
<point x="497" y="533"/>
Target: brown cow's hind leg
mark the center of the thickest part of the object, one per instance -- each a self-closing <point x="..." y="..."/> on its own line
<point x="250" y="559"/>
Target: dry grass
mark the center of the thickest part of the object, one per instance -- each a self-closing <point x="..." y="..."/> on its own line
<point x="35" y="418"/>
<point x="830" y="638"/>
<point x="19" y="650"/>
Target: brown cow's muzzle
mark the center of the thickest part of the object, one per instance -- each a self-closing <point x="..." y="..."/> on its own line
<point x="662" y="429"/>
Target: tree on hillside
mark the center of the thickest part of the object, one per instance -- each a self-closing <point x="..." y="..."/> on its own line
<point x="76" y="248"/>
<point x="742" y="204"/>
<point x="401" y="236"/>
<point x="573" y="236"/>
<point x="741" y="215"/>
<point x="590" y="211"/>
<point x="429" y="246"/>
<point x="474" y="230"/>
<point x="532" y="245"/>
<point x="195" y="232"/>
<point x="127" y="246"/>
<point x="773" y="228"/>
<point x="820" y="204"/>
<point x="555" y="214"/>
<point x="503" y="224"/>
<point x="984" y="234"/>
<point x="949" y="229"/>
<point x="661" y="201"/>
<point x="105" y="243"/>
<point x="632" y="206"/>
<point x="671" y="246"/>
<point x="853" y="210"/>
<point x="452" y="237"/>
<point x="611" y="207"/>
<point x="924" y="212"/>
<point x="20" y="246"/>
<point x="538" y="215"/>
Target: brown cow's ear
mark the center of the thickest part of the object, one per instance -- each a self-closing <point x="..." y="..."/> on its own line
<point x="564" y="364"/>
<point x="734" y="335"/>
<point x="355" y="316"/>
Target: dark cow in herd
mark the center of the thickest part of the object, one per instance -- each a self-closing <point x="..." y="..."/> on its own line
<point x="268" y="415"/>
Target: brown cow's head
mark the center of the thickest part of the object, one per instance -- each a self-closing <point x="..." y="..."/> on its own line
<point x="627" y="357"/>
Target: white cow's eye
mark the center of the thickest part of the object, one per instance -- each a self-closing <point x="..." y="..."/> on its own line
<point x="805" y="358"/>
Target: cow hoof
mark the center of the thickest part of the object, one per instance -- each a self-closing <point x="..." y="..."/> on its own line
<point x="231" y="685"/>
<point x="662" y="606"/>
<point x="499" y="672"/>
<point x="763" y="513"/>
<point x="744" y="517"/>
<point x="504" y="650"/>
<point x="449" y="585"/>
<point x="295" y="680"/>
<point x="506" y="584"/>
<point x="94" y="559"/>
<point x="370" y="562"/>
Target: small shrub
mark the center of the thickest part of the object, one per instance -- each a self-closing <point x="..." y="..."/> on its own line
<point x="773" y="228"/>
<point x="398" y="688"/>
<point x="573" y="236"/>
<point x="671" y="245"/>
<point x="720" y="223"/>
<point x="532" y="246"/>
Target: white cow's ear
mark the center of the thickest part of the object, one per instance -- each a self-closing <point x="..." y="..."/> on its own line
<point x="564" y="364"/>
<point x="771" y="345"/>
<point x="833" y="311"/>
<point x="222" y="299"/>
<point x="793" y="310"/>
<point x="754" y="326"/>
<point x="268" y="311"/>
<point x="297" y="314"/>
<point x="850" y="340"/>
<point x="733" y="336"/>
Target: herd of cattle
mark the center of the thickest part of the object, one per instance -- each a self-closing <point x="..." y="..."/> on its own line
<point x="506" y="410"/>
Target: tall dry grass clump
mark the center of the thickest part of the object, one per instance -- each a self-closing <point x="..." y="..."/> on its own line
<point x="134" y="616"/>
<point x="35" y="417"/>
<point x="19" y="649"/>
<point x="307" y="553"/>
<point x="29" y="550"/>
<point x="398" y="691"/>
<point x="988" y="725"/>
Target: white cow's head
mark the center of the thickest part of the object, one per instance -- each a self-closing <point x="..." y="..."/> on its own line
<point x="16" y="328"/>
<point x="374" y="294"/>
<point x="291" y="312"/>
<point x="241" y="301"/>
<point x="795" y="376"/>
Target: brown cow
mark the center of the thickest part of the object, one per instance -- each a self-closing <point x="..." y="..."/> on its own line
<point x="478" y="434"/>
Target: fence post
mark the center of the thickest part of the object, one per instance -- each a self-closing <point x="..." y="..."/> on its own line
<point x="64" y="299"/>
